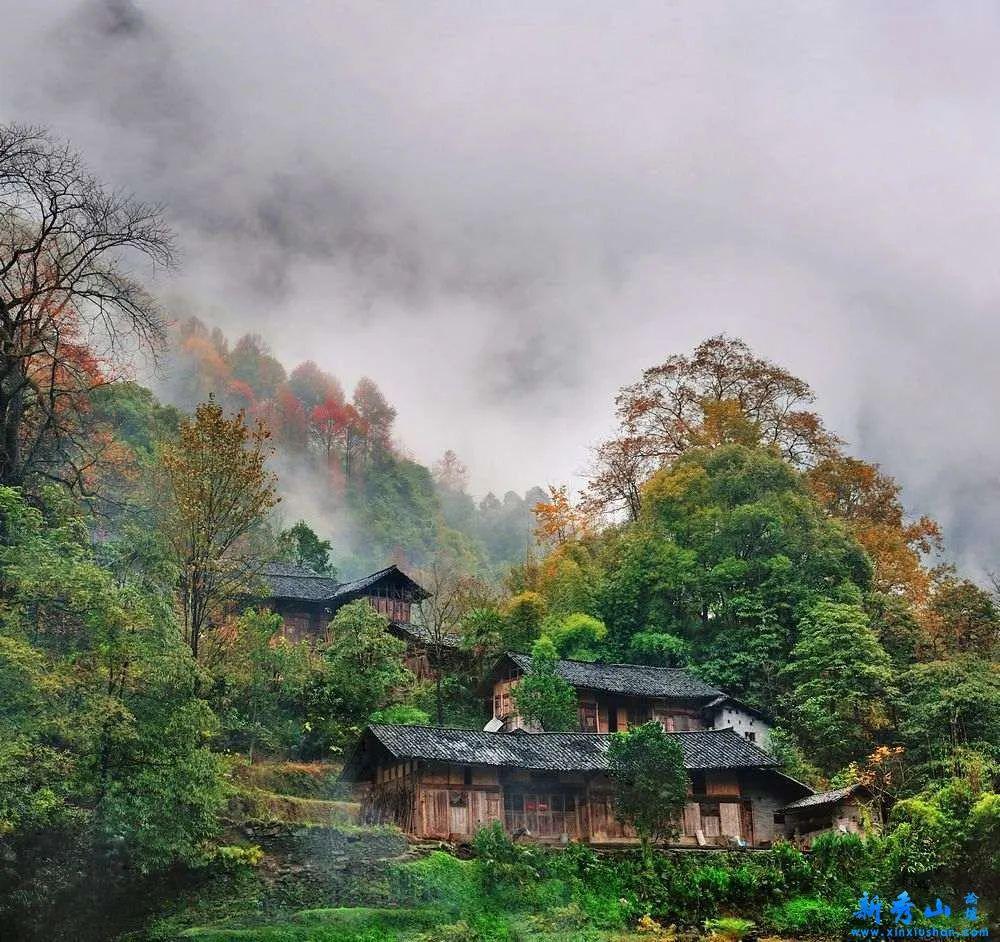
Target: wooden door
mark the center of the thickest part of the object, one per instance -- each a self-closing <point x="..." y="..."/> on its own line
<point x="436" y="813"/>
<point x="746" y="821"/>
<point x="692" y="819"/>
<point x="729" y="814"/>
<point x="459" y="813"/>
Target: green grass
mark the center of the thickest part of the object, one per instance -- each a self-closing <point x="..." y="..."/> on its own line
<point x="517" y="895"/>
<point x="331" y="925"/>
<point x="420" y="924"/>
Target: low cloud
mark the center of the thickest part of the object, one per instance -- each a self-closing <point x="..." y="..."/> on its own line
<point x="504" y="213"/>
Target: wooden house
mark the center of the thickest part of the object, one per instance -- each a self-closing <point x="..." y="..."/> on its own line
<point x="614" y="697"/>
<point x="841" y="811"/>
<point x="307" y="601"/>
<point x="553" y="787"/>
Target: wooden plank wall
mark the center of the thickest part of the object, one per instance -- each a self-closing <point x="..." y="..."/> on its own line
<point x="451" y="813"/>
<point x="452" y="802"/>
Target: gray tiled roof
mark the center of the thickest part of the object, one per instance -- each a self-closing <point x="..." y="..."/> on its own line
<point x="628" y="679"/>
<point x="288" y="581"/>
<point x="823" y="798"/>
<point x="359" y="585"/>
<point x="579" y="752"/>
<point x="421" y="634"/>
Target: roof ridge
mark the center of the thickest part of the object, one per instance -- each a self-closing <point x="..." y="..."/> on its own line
<point x="651" y="667"/>
<point x="450" y="729"/>
<point x="304" y="572"/>
<point x="377" y="572"/>
<point x="545" y="732"/>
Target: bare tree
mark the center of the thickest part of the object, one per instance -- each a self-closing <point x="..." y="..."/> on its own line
<point x="721" y="393"/>
<point x="71" y="310"/>
<point x="615" y="477"/>
<point x="440" y="615"/>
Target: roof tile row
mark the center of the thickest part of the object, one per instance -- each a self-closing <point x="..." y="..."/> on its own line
<point x="628" y="679"/>
<point x="576" y="752"/>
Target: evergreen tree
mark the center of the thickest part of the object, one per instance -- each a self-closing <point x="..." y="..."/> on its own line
<point x="542" y="697"/>
<point x="651" y="784"/>
<point x="840" y="684"/>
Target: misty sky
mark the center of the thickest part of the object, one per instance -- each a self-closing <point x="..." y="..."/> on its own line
<point x="503" y="212"/>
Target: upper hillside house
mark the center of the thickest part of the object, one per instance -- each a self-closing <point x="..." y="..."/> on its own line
<point x="616" y="697"/>
<point x="307" y="601"/>
<point x="448" y="783"/>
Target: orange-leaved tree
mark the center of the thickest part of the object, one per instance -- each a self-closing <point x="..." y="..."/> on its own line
<point x="557" y="519"/>
<point x="720" y="394"/>
<point x="220" y="492"/>
<point x="867" y="500"/>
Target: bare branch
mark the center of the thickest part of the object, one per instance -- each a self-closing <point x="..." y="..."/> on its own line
<point x="68" y="251"/>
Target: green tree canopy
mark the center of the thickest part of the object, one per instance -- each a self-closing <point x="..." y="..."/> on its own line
<point x="964" y="619"/>
<point x="840" y="684"/>
<point x="362" y="672"/>
<point x="730" y="550"/>
<point x="100" y="724"/>
<point x="523" y="617"/>
<point x="542" y="696"/>
<point x="658" y="649"/>
<point x="651" y="784"/>
<point x="299" y="544"/>
<point x="258" y="684"/>
<point x="577" y="635"/>
<point x="947" y="707"/>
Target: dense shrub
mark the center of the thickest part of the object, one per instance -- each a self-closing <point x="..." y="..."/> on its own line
<point x="845" y="864"/>
<point x="782" y="889"/>
<point x="504" y="862"/>
<point x="438" y="879"/>
<point x="678" y="888"/>
<point x="807" y="916"/>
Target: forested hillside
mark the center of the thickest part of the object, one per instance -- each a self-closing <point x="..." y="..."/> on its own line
<point x="753" y="547"/>
<point x="340" y="463"/>
<point x="169" y="756"/>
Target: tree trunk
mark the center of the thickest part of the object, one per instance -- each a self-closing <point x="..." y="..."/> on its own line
<point x="437" y="691"/>
<point x="12" y="384"/>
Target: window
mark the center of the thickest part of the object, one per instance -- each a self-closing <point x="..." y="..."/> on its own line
<point x="543" y="813"/>
<point x="752" y="737"/>
<point x="779" y="819"/>
<point x="698" y="783"/>
<point x="637" y="715"/>
<point x="588" y="717"/>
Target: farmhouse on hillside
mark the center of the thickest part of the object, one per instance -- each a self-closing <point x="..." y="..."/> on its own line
<point x="306" y="601"/>
<point x="843" y="810"/>
<point x="616" y="697"/>
<point x="447" y="783"/>
<point x="553" y="787"/>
